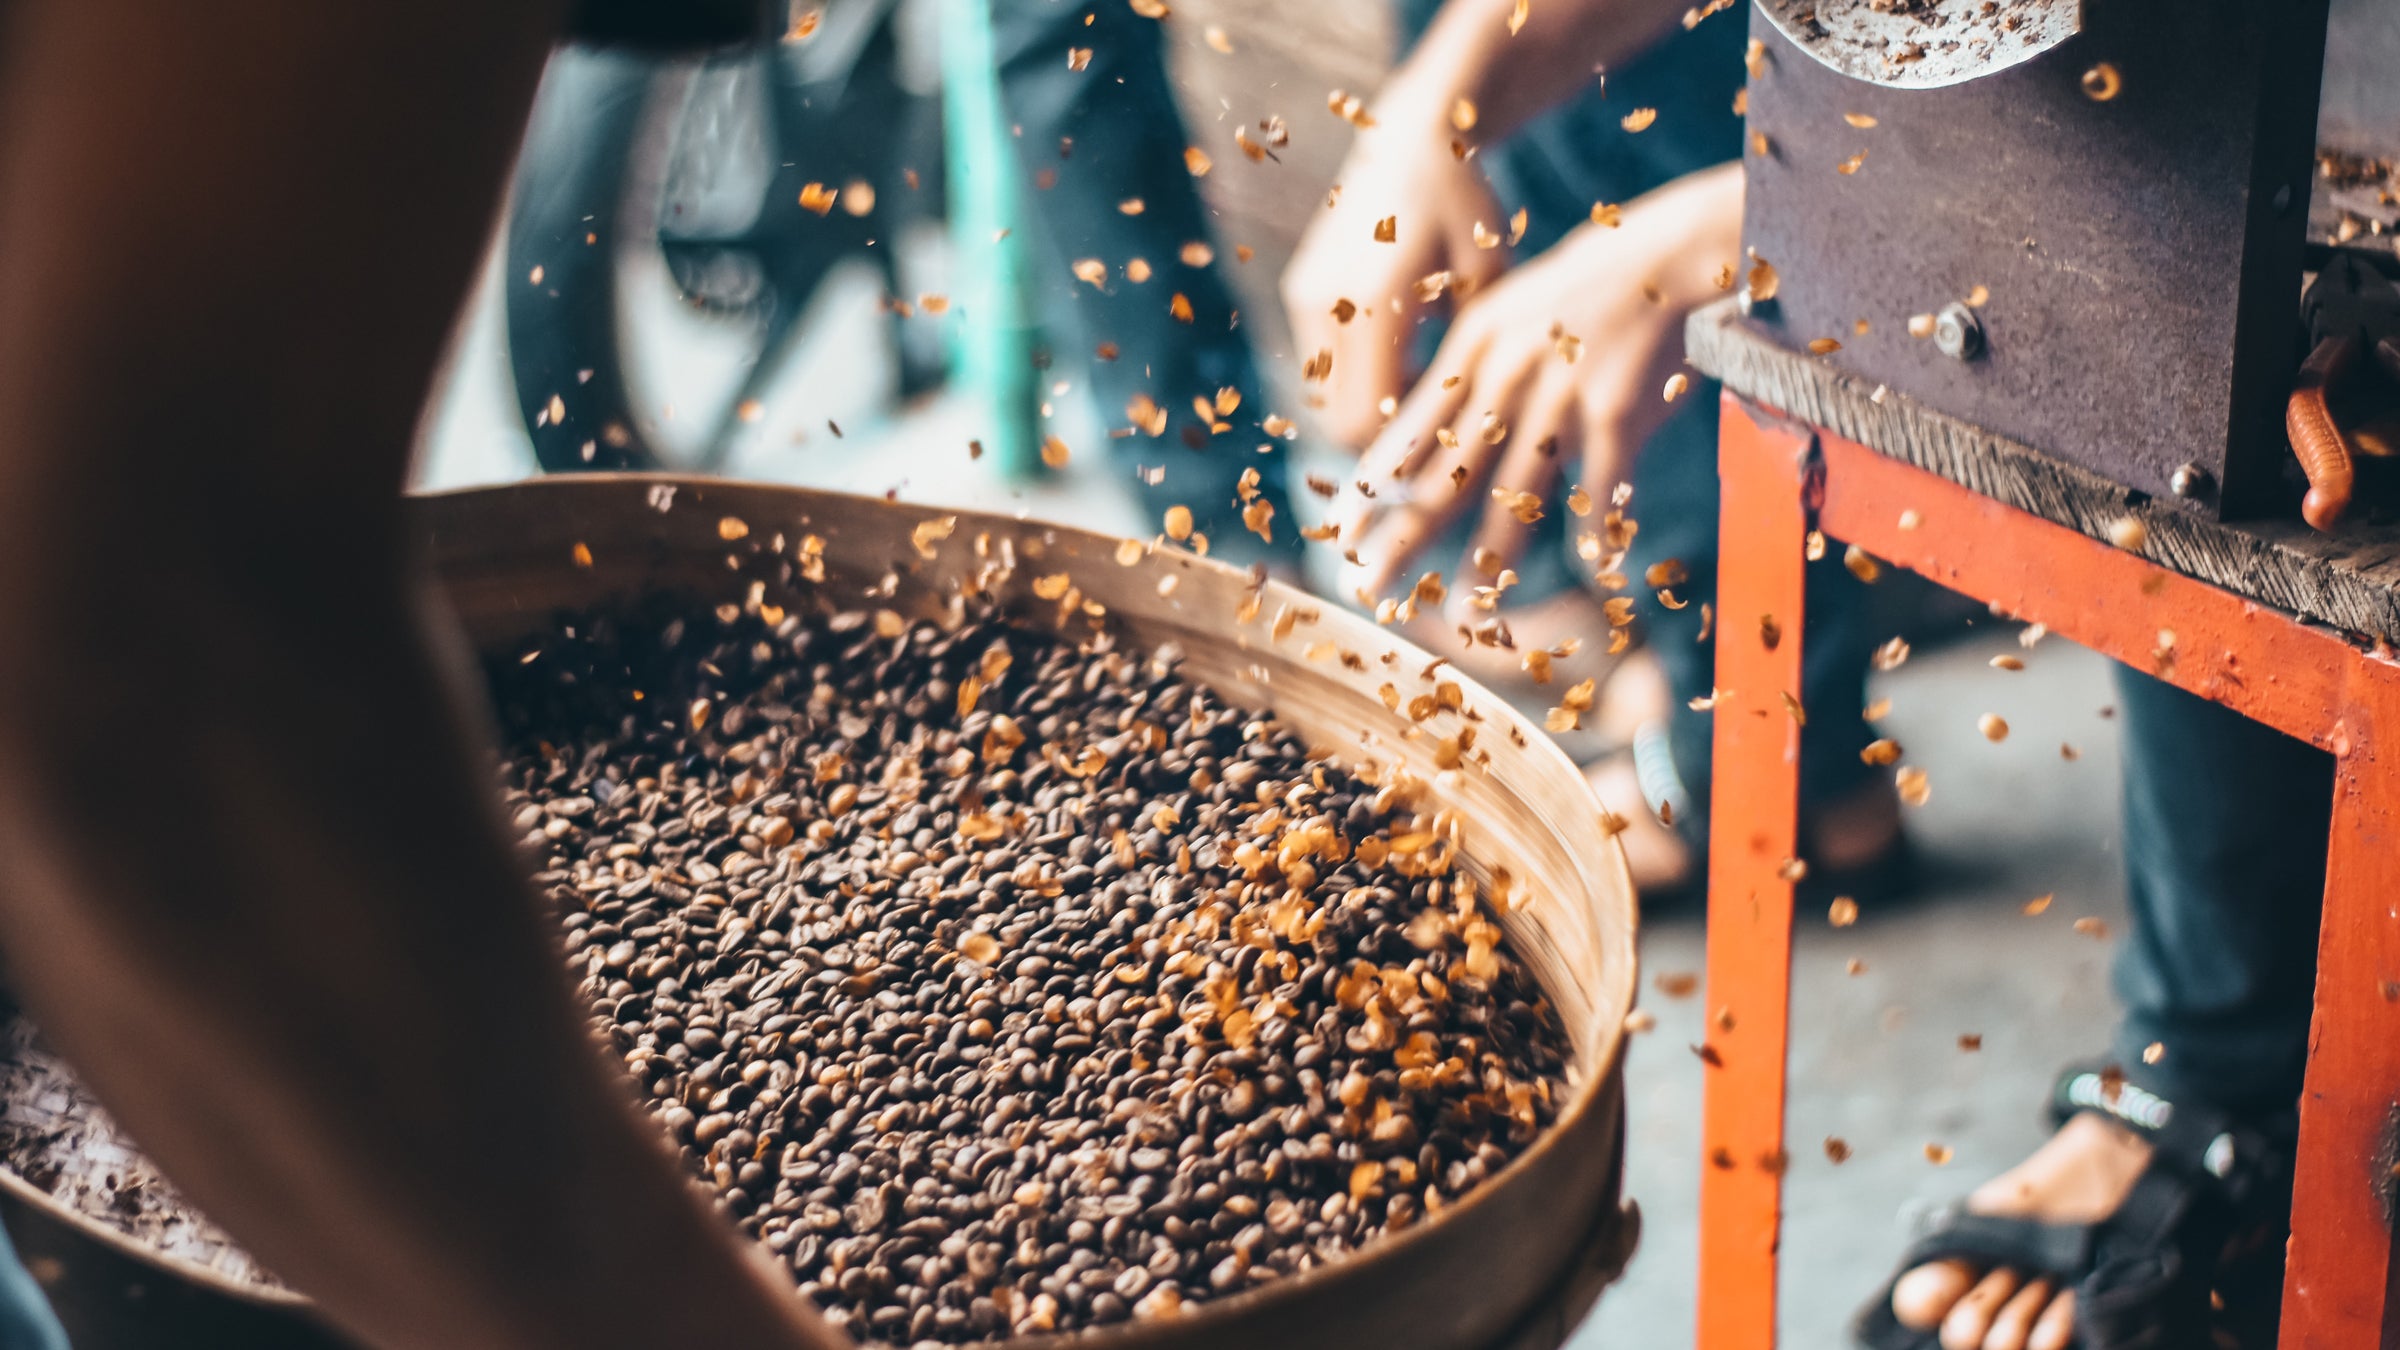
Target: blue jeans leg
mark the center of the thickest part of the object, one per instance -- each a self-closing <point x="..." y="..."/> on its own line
<point x="2225" y="828"/>
<point x="1092" y="140"/>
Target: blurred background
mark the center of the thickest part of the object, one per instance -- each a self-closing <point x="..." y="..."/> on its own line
<point x="748" y="328"/>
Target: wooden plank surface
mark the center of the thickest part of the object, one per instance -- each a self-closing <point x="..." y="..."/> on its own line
<point x="2350" y="579"/>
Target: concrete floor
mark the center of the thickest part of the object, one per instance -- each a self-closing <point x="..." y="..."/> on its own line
<point x="1878" y="1060"/>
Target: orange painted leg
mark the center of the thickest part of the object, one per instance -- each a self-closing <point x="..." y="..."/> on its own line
<point x="2304" y="680"/>
<point x="2338" y="1284"/>
<point x="1754" y="817"/>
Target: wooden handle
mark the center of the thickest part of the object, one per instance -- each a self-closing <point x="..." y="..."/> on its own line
<point x="2325" y="453"/>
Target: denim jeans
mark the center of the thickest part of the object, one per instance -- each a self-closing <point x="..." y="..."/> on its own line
<point x="2225" y="823"/>
<point x="1091" y="139"/>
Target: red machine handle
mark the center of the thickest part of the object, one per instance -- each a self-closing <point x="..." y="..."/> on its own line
<point x="2324" y="450"/>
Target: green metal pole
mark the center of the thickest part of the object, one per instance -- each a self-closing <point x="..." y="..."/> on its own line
<point x="996" y="335"/>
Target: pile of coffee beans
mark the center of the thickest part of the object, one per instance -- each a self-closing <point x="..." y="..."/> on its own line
<point x="1001" y="983"/>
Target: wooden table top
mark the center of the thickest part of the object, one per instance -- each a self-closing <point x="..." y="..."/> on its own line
<point x="2349" y="579"/>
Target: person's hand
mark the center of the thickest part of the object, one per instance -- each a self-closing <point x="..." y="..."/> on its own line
<point x="1564" y="361"/>
<point x="1357" y="298"/>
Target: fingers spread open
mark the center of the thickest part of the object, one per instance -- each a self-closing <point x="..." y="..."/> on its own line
<point x="1423" y="505"/>
<point x="1408" y="440"/>
<point x="1540" y="438"/>
<point x="1409" y="466"/>
<point x="1454" y="480"/>
<point x="1618" y="416"/>
<point x="1369" y="365"/>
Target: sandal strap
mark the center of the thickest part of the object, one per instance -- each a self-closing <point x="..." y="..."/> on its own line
<point x="2193" y="1138"/>
<point x="2062" y="1252"/>
<point x="2059" y="1251"/>
<point x="2147" y="1289"/>
<point x="2142" y="1301"/>
<point x="2133" y="1272"/>
<point x="2163" y="1208"/>
<point x="1654" y="769"/>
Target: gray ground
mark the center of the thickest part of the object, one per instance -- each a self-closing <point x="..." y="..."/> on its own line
<point x="1878" y="1060"/>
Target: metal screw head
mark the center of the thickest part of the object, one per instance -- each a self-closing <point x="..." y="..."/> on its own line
<point x="2192" y="482"/>
<point x="1957" y="332"/>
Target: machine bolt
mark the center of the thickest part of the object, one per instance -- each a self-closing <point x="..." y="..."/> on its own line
<point x="1957" y="332"/>
<point x="2192" y="482"/>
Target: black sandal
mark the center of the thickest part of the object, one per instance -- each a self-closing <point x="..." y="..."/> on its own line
<point x="2144" y="1276"/>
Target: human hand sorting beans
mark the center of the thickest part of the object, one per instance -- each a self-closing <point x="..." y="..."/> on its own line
<point x="1562" y="362"/>
<point x="1353" y="296"/>
<point x="1411" y="206"/>
<point x="1482" y="70"/>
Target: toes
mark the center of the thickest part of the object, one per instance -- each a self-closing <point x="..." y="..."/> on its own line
<point x="1971" y="1317"/>
<point x="1925" y="1295"/>
<point x="2057" y="1325"/>
<point x="2012" y="1326"/>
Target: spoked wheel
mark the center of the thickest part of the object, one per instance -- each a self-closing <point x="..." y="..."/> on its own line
<point x="711" y="162"/>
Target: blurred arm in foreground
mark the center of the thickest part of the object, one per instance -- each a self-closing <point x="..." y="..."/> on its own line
<point x="252" y="880"/>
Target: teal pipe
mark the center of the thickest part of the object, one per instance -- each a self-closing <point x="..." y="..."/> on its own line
<point x="996" y="337"/>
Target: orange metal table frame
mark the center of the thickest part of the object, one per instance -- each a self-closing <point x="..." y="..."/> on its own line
<point x="1782" y="479"/>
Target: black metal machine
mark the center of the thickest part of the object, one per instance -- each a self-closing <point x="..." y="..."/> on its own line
<point x="2081" y="224"/>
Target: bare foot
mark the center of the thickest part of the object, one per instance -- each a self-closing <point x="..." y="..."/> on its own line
<point x="1657" y="855"/>
<point x="1636" y="692"/>
<point x="2080" y="1176"/>
<point x="1849" y="832"/>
